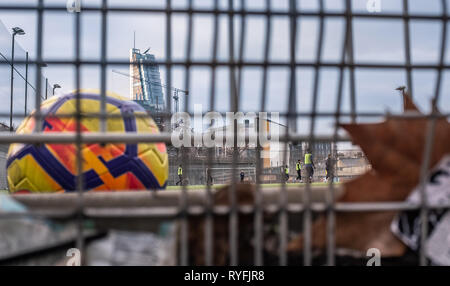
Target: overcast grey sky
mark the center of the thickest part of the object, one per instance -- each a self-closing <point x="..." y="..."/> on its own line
<point x="374" y="41"/>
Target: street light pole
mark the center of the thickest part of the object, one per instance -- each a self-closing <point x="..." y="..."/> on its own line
<point x="44" y="65"/>
<point x="55" y="86"/>
<point x="26" y="83"/>
<point x="16" y="31"/>
<point x="46" y="87"/>
<point x="12" y="84"/>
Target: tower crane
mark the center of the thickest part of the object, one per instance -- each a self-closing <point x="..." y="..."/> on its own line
<point x="176" y="91"/>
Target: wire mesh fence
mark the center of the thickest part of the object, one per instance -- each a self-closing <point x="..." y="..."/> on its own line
<point x="233" y="216"/>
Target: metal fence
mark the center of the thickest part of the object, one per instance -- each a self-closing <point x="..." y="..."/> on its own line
<point x="235" y="64"/>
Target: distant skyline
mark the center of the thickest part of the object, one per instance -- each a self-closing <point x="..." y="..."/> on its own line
<point x="145" y="80"/>
<point x="374" y="41"/>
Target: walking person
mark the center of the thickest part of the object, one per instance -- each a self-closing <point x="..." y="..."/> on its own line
<point x="180" y="175"/>
<point x="242" y="174"/>
<point x="309" y="165"/>
<point x="298" y="168"/>
<point x="286" y="172"/>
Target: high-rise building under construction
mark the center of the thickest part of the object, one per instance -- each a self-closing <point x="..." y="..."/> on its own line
<point x="145" y="80"/>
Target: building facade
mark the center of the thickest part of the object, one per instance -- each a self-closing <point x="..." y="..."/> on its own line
<point x="273" y="152"/>
<point x="145" y="80"/>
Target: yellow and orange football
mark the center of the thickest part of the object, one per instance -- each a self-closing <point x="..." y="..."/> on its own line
<point x="52" y="167"/>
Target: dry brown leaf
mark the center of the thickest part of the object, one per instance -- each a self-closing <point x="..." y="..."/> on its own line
<point x="395" y="150"/>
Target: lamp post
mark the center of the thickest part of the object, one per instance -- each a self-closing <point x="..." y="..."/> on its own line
<point x="44" y="65"/>
<point x="55" y="86"/>
<point x="16" y="31"/>
<point x="26" y="83"/>
<point x="46" y="87"/>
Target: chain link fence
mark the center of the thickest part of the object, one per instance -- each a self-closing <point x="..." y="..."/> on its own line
<point x="290" y="210"/>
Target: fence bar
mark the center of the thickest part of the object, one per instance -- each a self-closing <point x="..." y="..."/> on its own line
<point x="209" y="219"/>
<point x="78" y="143"/>
<point x="39" y="45"/>
<point x="185" y="163"/>
<point x="441" y="57"/>
<point x="408" y="116"/>
<point x="350" y="57"/>
<point x="406" y="38"/>
<point x="235" y="64"/>
<point x="97" y="137"/>
<point x="196" y="198"/>
<point x="103" y="40"/>
<point x="146" y="10"/>
<point x="234" y="103"/>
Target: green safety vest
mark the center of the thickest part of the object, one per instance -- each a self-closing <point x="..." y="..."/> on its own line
<point x="298" y="166"/>
<point x="180" y="171"/>
<point x="286" y="170"/>
<point x="308" y="158"/>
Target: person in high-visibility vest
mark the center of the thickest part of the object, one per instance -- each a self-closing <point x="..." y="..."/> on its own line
<point x="286" y="172"/>
<point x="309" y="164"/>
<point x="180" y="174"/>
<point x="298" y="168"/>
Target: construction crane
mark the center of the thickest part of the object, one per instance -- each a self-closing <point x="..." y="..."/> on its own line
<point x="176" y="91"/>
<point x="146" y="51"/>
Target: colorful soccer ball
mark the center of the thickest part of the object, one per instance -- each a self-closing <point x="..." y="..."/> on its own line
<point x="52" y="167"/>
